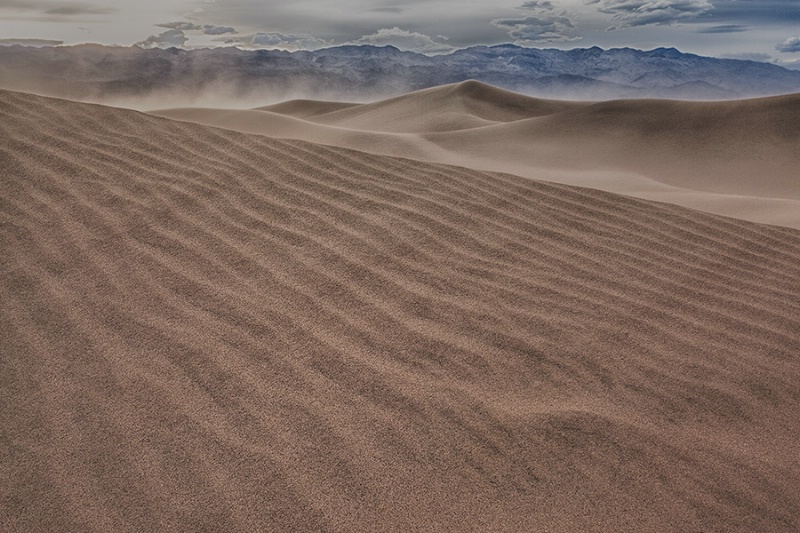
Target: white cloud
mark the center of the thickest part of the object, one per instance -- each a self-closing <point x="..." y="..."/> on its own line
<point x="793" y="65"/>
<point x="165" y="39"/>
<point x="406" y="40"/>
<point x="543" y="23"/>
<point x="792" y="44"/>
<point x="646" y="12"/>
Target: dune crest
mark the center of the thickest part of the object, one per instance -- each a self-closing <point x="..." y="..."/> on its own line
<point x="204" y="330"/>
<point x="461" y="106"/>
<point x="306" y="108"/>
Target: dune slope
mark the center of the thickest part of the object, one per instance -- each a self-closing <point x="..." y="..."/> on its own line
<point x="748" y="147"/>
<point x="205" y="330"/>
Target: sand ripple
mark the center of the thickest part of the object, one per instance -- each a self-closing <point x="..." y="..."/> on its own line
<point x="203" y="330"/>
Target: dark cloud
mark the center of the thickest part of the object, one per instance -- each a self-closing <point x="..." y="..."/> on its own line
<point x="75" y="10"/>
<point x="725" y="28"/>
<point x="543" y="23"/>
<point x="406" y="40"/>
<point x="756" y="11"/>
<point x="389" y="9"/>
<point x="629" y="13"/>
<point x="792" y="44"/>
<point x="183" y="26"/>
<point x="30" y="42"/>
<point x="538" y="4"/>
<point x="210" y="29"/>
<point x="55" y="8"/>
<point x="165" y="39"/>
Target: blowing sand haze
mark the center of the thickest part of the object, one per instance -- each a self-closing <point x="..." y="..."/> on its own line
<point x="208" y="330"/>
<point x="734" y="158"/>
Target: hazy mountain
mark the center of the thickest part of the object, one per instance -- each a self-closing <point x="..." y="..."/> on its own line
<point x="94" y="72"/>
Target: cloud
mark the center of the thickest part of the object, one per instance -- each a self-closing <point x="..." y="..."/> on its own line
<point x="55" y="8"/>
<point x="792" y="44"/>
<point x="393" y="10"/>
<point x="757" y="11"/>
<point x="30" y="42"/>
<point x="543" y="23"/>
<point x="406" y="40"/>
<point x="165" y="39"/>
<point x="276" y="40"/>
<point x="538" y="4"/>
<point x="793" y="64"/>
<point x="210" y="29"/>
<point x="183" y="26"/>
<point x="752" y="56"/>
<point x="646" y="12"/>
<point x="725" y="28"/>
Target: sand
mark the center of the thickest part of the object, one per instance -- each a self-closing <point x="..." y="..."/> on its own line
<point x="736" y="158"/>
<point x="205" y="330"/>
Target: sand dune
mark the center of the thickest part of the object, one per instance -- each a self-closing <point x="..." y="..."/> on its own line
<point x="749" y="147"/>
<point x="464" y="105"/>
<point x="209" y="331"/>
<point x="737" y="159"/>
<point x="306" y="108"/>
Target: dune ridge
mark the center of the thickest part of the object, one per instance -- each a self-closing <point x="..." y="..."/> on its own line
<point x="734" y="158"/>
<point x="306" y="108"/>
<point x="459" y="106"/>
<point x="207" y="330"/>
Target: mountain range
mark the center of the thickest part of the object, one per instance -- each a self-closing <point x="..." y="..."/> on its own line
<point x="100" y="73"/>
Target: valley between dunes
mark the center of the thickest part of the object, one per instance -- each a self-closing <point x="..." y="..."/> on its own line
<point x="205" y="329"/>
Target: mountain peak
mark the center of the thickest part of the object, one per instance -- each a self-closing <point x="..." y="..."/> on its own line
<point x="670" y="53"/>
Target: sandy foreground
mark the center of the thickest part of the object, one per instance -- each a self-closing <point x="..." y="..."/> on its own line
<point x="206" y="330"/>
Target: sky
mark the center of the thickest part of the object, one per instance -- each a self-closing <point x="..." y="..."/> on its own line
<point x="763" y="30"/>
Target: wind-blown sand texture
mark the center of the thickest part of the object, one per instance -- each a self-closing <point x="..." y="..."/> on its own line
<point x="204" y="330"/>
<point x="738" y="158"/>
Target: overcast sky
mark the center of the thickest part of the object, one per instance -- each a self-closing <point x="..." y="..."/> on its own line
<point x="767" y="30"/>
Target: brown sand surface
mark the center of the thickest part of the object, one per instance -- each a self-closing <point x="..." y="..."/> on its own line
<point x="203" y="330"/>
<point x="738" y="159"/>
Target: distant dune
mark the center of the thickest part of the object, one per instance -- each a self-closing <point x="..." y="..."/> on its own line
<point x="307" y="108"/>
<point x="204" y="330"/>
<point x="465" y="105"/>
<point x="736" y="158"/>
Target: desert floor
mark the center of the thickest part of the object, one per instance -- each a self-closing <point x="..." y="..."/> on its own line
<point x="380" y="322"/>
